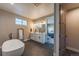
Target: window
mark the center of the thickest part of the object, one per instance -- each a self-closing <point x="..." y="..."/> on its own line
<point x="21" y="22"/>
<point x="24" y="22"/>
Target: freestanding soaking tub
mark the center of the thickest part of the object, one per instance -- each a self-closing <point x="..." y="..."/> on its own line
<point x="13" y="47"/>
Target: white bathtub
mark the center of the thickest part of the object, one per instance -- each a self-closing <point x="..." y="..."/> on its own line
<point x="12" y="47"/>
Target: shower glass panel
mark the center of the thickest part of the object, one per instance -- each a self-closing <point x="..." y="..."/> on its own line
<point x="50" y="32"/>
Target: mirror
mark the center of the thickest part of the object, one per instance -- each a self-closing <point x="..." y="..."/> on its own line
<point x="40" y="28"/>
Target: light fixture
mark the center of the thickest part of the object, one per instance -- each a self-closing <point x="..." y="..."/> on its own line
<point x="12" y="3"/>
<point x="61" y="11"/>
<point x="36" y="4"/>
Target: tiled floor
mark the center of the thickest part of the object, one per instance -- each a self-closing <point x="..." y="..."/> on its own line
<point x="33" y="48"/>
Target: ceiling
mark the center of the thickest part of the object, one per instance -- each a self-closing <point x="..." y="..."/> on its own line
<point x="70" y="6"/>
<point x="28" y="9"/>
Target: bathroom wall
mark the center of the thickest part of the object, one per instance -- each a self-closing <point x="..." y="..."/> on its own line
<point x="72" y="29"/>
<point x="62" y="31"/>
<point x="7" y="26"/>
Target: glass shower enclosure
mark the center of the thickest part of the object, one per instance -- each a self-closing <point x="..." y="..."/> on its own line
<point x="50" y="32"/>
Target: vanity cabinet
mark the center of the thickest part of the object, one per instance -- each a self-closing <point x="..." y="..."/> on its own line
<point x="38" y="37"/>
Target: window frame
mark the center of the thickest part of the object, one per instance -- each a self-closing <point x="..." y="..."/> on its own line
<point x="22" y="22"/>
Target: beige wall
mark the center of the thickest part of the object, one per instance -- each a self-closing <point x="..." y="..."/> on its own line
<point x="72" y="29"/>
<point x="62" y="30"/>
<point x="7" y="25"/>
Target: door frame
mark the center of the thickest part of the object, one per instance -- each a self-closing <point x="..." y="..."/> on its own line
<point x="18" y="32"/>
<point x="56" y="29"/>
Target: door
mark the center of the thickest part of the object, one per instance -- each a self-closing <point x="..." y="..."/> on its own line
<point x="21" y="33"/>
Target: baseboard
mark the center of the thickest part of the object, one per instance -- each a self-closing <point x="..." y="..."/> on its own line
<point x="73" y="49"/>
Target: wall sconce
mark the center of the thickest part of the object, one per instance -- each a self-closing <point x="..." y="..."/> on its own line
<point x="61" y="11"/>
